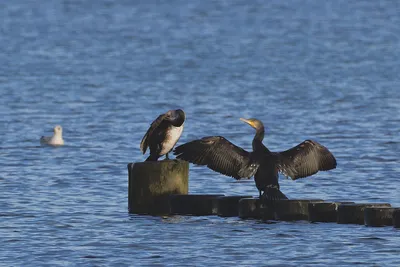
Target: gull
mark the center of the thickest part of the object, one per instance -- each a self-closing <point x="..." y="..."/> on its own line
<point x="55" y="140"/>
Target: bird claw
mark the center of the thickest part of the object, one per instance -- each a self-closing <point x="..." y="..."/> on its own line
<point x="272" y="194"/>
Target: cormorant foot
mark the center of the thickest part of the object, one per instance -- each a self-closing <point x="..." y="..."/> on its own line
<point x="272" y="193"/>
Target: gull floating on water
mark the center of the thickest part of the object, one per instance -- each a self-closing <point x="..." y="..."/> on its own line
<point x="55" y="140"/>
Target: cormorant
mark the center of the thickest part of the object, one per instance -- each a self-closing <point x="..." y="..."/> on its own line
<point x="55" y="140"/>
<point x="305" y="159"/>
<point x="163" y="134"/>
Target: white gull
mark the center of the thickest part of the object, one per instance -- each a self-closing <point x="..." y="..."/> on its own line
<point x="55" y="140"/>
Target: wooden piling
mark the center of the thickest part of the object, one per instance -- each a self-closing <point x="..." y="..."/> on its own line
<point x="354" y="213"/>
<point x="396" y="218"/>
<point x="198" y="205"/>
<point x="287" y="209"/>
<point x="324" y="211"/>
<point x="151" y="182"/>
<point x="229" y="206"/>
<point x="249" y="208"/>
<point x="382" y="216"/>
<point x="161" y="188"/>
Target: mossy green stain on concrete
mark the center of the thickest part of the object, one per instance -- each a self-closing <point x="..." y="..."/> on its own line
<point x="151" y="182"/>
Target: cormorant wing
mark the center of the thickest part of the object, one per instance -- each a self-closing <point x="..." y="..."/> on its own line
<point x="153" y="126"/>
<point x="219" y="155"/>
<point x="305" y="159"/>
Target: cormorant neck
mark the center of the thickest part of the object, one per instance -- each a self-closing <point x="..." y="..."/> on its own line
<point x="259" y="134"/>
<point x="258" y="138"/>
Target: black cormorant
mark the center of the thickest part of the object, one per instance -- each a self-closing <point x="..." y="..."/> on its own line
<point x="305" y="159"/>
<point x="163" y="134"/>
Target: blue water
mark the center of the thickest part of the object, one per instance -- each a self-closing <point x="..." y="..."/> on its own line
<point x="105" y="69"/>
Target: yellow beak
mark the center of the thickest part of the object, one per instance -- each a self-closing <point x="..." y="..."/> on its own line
<point x="249" y="122"/>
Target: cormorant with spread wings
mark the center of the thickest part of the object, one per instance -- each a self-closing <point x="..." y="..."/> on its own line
<point x="218" y="154"/>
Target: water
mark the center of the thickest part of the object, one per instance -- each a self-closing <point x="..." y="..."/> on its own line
<point x="105" y="69"/>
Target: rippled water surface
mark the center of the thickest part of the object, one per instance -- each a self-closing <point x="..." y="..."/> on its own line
<point x="105" y="69"/>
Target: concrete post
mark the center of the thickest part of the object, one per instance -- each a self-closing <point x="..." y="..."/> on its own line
<point x="354" y="213"/>
<point x="324" y="212"/>
<point x="382" y="216"/>
<point x="151" y="182"/>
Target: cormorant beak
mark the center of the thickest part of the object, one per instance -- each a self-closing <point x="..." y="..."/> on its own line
<point x="249" y="122"/>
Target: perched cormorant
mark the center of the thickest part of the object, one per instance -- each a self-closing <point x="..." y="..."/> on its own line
<point x="163" y="134"/>
<point x="305" y="159"/>
<point x="55" y="140"/>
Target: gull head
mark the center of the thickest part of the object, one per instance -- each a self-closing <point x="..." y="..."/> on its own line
<point x="58" y="130"/>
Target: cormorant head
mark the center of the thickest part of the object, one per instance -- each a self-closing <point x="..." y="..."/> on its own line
<point x="176" y="117"/>
<point x="256" y="124"/>
<point x="57" y="129"/>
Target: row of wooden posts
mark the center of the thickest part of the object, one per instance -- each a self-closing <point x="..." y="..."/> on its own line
<point x="161" y="188"/>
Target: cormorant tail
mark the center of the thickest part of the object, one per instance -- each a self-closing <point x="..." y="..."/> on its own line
<point x="273" y="193"/>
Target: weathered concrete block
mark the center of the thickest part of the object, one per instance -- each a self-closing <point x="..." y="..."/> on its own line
<point x="151" y="182"/>
<point x="229" y="206"/>
<point x="382" y="216"/>
<point x="324" y="212"/>
<point x="198" y="205"/>
<point x="287" y="209"/>
<point x="249" y="208"/>
<point x="396" y="218"/>
<point x="354" y="213"/>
